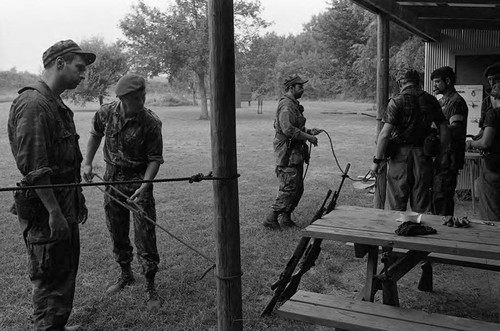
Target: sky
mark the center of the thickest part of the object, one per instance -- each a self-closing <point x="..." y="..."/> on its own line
<point x="29" y="27"/>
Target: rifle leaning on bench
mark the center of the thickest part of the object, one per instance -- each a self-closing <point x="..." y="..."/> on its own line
<point x="288" y="283"/>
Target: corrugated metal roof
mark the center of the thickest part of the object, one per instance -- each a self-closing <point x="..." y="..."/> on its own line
<point x="426" y="18"/>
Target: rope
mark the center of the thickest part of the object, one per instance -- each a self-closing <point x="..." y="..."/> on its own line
<point x="344" y="174"/>
<point x="138" y="210"/>
<point x="195" y="178"/>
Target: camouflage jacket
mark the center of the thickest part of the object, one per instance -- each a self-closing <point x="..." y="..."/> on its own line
<point x="43" y="136"/>
<point x="130" y="143"/>
<point x="289" y="122"/>
<point x="412" y="112"/>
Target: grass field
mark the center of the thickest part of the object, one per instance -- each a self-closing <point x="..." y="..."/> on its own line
<point x="186" y="210"/>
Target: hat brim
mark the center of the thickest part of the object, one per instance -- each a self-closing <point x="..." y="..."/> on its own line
<point x="89" y="57"/>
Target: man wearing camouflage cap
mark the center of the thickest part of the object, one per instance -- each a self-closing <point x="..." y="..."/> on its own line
<point x="407" y="121"/>
<point x="133" y="150"/>
<point x="44" y="143"/>
<point x="290" y="152"/>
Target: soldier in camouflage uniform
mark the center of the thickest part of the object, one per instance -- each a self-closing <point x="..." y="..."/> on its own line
<point x="407" y="121"/>
<point x="44" y="143"/>
<point x="455" y="110"/>
<point x="290" y="152"/>
<point x="133" y="150"/>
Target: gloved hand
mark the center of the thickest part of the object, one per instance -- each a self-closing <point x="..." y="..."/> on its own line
<point x="456" y="222"/>
<point x="314" y="131"/>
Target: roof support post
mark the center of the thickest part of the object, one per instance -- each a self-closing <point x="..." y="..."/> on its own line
<point x="383" y="31"/>
<point x="223" y="138"/>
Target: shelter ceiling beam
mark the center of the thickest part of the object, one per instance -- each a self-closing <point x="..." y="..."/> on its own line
<point x="403" y="17"/>
<point x="446" y="2"/>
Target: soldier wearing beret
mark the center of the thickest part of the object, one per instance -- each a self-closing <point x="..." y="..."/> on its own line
<point x="133" y="150"/>
<point x="492" y="74"/>
<point x="455" y="110"/>
<point x="407" y="121"/>
<point x="290" y="152"/>
<point x="44" y="143"/>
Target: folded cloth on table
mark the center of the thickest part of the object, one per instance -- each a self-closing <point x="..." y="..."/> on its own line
<point x="414" y="229"/>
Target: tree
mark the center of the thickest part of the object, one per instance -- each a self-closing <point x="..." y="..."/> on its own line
<point x="168" y="42"/>
<point x="109" y="66"/>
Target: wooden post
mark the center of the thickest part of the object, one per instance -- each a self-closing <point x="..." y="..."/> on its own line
<point x="382" y="99"/>
<point x="223" y="137"/>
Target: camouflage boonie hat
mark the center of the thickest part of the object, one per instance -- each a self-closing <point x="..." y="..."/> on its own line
<point x="63" y="47"/>
<point x="292" y="80"/>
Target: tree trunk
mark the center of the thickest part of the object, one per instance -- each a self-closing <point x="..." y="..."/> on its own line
<point x="101" y="100"/>
<point x="195" y="103"/>
<point x="203" y="96"/>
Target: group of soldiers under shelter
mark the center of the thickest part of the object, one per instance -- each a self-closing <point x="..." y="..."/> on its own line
<point x="45" y="146"/>
<point x="420" y="149"/>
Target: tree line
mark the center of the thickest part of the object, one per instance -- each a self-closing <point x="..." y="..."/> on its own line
<point x="336" y="51"/>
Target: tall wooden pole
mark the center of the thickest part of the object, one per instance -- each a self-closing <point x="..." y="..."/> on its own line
<point x="223" y="134"/>
<point x="382" y="99"/>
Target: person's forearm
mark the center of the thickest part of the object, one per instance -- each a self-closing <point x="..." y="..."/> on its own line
<point x="47" y="196"/>
<point x="444" y="135"/>
<point x="92" y="146"/>
<point x="151" y="172"/>
<point x="382" y="141"/>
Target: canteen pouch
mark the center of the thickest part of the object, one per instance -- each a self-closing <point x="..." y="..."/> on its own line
<point x="432" y="144"/>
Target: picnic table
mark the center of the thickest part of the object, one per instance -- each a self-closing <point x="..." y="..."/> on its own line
<point x="372" y="229"/>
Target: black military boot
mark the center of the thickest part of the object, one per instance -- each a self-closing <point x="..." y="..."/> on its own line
<point x="153" y="300"/>
<point x="126" y="278"/>
<point x="286" y="220"/>
<point x="272" y="220"/>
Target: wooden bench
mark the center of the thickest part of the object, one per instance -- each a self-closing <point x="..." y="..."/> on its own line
<point x="464" y="261"/>
<point x="426" y="279"/>
<point x="349" y="314"/>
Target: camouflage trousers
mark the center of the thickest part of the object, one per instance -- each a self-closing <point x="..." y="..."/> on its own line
<point x="409" y="179"/>
<point x="443" y="192"/>
<point x="291" y="188"/>
<point x="118" y="223"/>
<point x="53" y="265"/>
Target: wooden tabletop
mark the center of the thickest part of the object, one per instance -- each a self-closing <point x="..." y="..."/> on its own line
<point x="377" y="227"/>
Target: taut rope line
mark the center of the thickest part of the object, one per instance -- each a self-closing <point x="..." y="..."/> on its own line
<point x="192" y="179"/>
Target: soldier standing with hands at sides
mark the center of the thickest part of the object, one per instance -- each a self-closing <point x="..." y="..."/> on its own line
<point x="44" y="143"/>
<point x="407" y="121"/>
<point x="133" y="150"/>
<point x="455" y="110"/>
<point x="290" y="152"/>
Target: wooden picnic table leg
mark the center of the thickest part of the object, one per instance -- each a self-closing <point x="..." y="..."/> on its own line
<point x="425" y="283"/>
<point x="371" y="287"/>
<point x="394" y="272"/>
